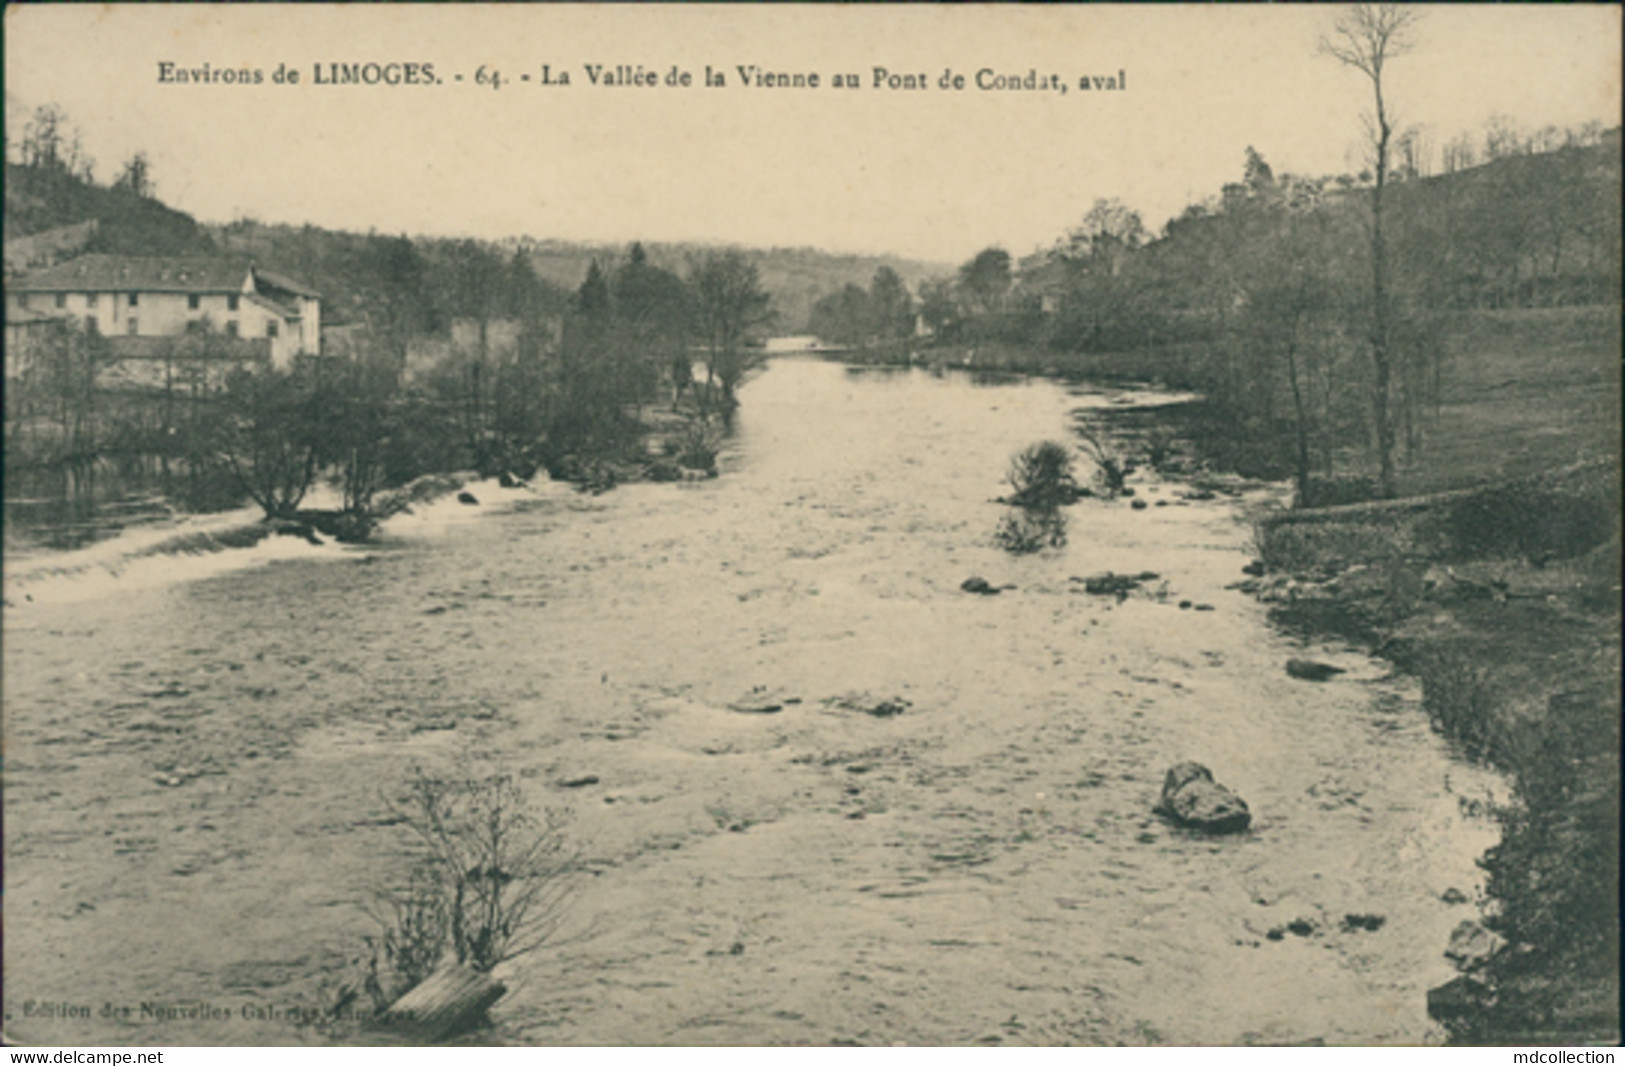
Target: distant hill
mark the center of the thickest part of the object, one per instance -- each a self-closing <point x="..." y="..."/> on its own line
<point x="42" y="203"/>
<point x="796" y="277"/>
<point x="41" y="199"/>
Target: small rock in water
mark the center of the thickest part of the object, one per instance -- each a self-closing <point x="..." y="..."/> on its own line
<point x="434" y="724"/>
<point x="1454" y="896"/>
<point x="759" y="700"/>
<point x="1139" y="505"/>
<point x="1206" y="607"/>
<point x="1309" y="670"/>
<point x="291" y="528"/>
<point x="1110" y="584"/>
<point x="1369" y="922"/>
<point x="1472" y="945"/>
<point x="888" y="708"/>
<point x="1185" y="605"/>
<point x="1459" y="998"/>
<point x="579" y="782"/>
<point x="1193" y="799"/>
<point x="1254" y="568"/>
<point x="507" y="480"/>
<point x="468" y="498"/>
<point x="867" y="704"/>
<point x="978" y="585"/>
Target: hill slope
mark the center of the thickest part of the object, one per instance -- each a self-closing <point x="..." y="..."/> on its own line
<point x="40" y="199"/>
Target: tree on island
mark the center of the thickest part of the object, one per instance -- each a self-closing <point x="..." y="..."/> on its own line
<point x="729" y="303"/>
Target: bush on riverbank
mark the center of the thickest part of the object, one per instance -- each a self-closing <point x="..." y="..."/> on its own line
<point x="1537" y="525"/>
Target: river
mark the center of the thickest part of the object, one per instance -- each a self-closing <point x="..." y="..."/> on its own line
<point x="198" y="746"/>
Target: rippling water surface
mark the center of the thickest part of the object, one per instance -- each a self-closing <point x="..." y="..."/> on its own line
<point x="195" y="758"/>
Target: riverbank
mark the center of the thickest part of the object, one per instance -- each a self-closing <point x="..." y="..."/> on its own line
<point x="1505" y="603"/>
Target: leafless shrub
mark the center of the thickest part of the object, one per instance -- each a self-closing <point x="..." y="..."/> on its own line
<point x="414" y="923"/>
<point x="695" y="444"/>
<point x="1108" y="465"/>
<point x="492" y="884"/>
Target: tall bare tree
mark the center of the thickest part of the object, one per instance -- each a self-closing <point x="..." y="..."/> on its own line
<point x="1366" y="37"/>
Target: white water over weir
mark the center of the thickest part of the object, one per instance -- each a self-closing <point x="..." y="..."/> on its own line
<point x="199" y="763"/>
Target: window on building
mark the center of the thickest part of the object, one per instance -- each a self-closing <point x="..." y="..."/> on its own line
<point x="132" y="327"/>
<point x="92" y="299"/>
<point x="231" y="329"/>
<point x="135" y="298"/>
<point x="61" y="299"/>
<point x="193" y="302"/>
<point x="195" y="326"/>
<point x="231" y="302"/>
<point x="91" y="325"/>
<point x="273" y="328"/>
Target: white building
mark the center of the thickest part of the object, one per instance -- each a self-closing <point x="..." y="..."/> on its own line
<point x="149" y="296"/>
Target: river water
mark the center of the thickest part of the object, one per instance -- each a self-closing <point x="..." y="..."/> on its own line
<point x="198" y="746"/>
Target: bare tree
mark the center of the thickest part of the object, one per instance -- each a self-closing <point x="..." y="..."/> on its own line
<point x="729" y="303"/>
<point x="1365" y="38"/>
<point x="136" y="176"/>
<point x="44" y="137"/>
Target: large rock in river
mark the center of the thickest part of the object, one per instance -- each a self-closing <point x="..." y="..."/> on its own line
<point x="1309" y="670"/>
<point x="1192" y="798"/>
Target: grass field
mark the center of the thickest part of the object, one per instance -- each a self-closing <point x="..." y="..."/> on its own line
<point x="1523" y="391"/>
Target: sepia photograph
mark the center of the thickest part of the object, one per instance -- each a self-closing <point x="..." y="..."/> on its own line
<point x="597" y="525"/>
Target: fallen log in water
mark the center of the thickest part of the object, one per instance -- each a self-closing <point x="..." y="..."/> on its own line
<point x="451" y="999"/>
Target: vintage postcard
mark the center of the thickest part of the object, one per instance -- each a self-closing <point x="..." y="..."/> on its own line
<point x="811" y="525"/>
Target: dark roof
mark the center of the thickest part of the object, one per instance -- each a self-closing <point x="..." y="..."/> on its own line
<point x="138" y="273"/>
<point x="135" y="273"/>
<point x="282" y="281"/>
<point x="271" y="305"/>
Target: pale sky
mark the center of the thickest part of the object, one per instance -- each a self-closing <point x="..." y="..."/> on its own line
<point x="935" y="174"/>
